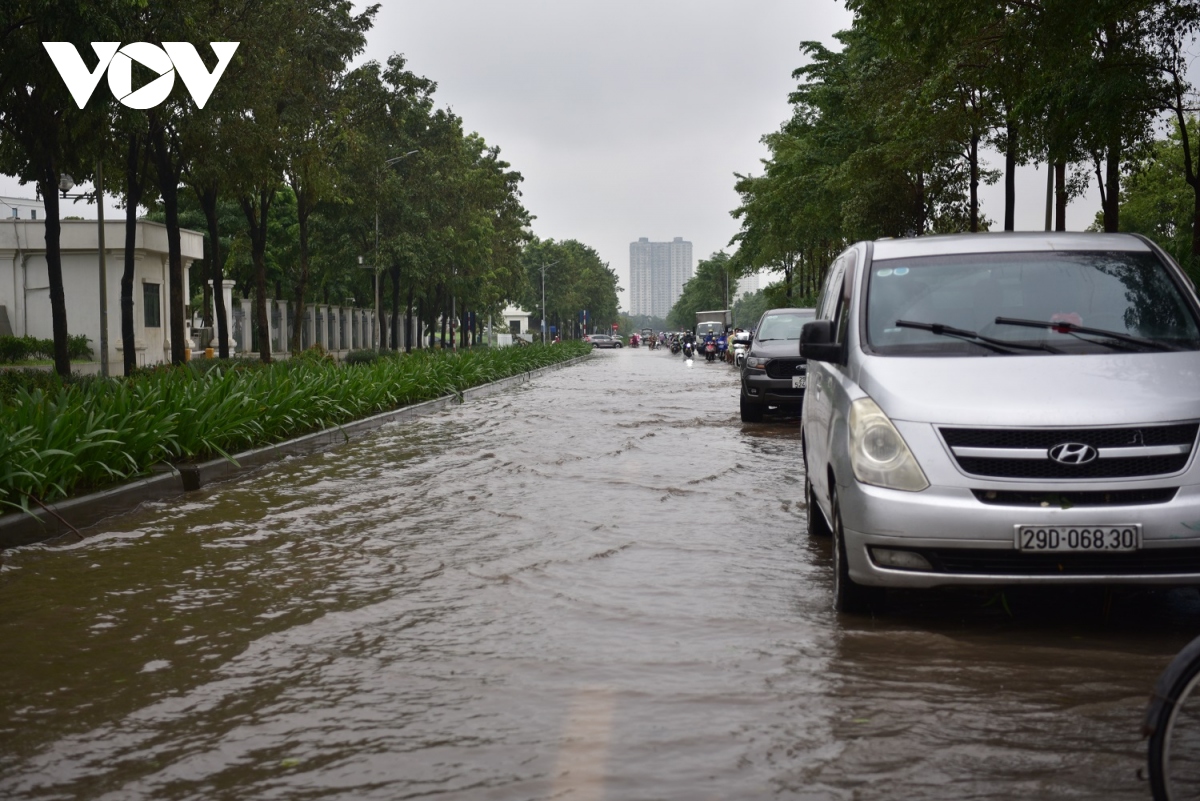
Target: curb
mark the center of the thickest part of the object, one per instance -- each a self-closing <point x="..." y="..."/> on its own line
<point x="87" y="510"/>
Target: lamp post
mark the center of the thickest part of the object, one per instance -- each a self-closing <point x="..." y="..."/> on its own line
<point x="377" y="334"/>
<point x="544" y="266"/>
<point x="65" y="184"/>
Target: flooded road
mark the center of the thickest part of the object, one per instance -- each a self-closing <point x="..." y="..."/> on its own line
<point x="594" y="586"/>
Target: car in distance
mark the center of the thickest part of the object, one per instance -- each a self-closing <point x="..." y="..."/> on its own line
<point x="773" y="373"/>
<point x="1002" y="409"/>
<point x="605" y="341"/>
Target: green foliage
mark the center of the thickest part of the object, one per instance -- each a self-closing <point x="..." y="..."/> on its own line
<point x="705" y="291"/>
<point x="58" y="438"/>
<point x="1156" y="199"/>
<point x="749" y="309"/>
<point x="575" y="280"/>
<point x="885" y="133"/>
<point x="20" y="349"/>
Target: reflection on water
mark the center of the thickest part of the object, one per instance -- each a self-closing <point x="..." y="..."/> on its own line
<point x="594" y="586"/>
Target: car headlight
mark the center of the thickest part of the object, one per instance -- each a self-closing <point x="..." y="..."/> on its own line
<point x="756" y="363"/>
<point x="878" y="453"/>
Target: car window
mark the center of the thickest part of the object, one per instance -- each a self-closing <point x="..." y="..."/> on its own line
<point x="782" y="326"/>
<point x="1127" y="293"/>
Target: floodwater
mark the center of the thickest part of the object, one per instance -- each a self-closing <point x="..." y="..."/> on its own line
<point x="595" y="586"/>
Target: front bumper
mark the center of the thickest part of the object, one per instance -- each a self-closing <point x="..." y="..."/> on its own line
<point x="761" y="388"/>
<point x="968" y="542"/>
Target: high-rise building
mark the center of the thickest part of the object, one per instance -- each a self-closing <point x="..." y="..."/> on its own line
<point x="657" y="273"/>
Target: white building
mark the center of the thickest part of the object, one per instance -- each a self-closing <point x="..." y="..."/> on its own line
<point x="657" y="273"/>
<point x="25" y="293"/>
<point x="25" y="283"/>
<point x="21" y="208"/>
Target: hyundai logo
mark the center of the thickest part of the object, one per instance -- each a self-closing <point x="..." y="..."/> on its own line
<point x="1073" y="453"/>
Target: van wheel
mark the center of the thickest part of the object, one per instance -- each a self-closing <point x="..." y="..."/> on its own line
<point x="751" y="412"/>
<point x="816" y="526"/>
<point x="849" y="596"/>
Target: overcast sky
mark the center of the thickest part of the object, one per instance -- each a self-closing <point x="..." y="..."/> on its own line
<point x="627" y="118"/>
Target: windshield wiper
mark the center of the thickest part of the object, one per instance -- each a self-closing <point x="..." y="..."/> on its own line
<point x="997" y="345"/>
<point x="1064" y="327"/>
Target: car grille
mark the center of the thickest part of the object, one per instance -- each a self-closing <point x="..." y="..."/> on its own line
<point x="1067" y="500"/>
<point x="1123" y="452"/>
<point x="785" y="368"/>
<point x="1154" y="562"/>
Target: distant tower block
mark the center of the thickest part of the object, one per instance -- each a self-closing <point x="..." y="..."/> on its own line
<point x="657" y="273"/>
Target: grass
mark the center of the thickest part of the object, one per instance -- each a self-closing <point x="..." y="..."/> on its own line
<point x="61" y="438"/>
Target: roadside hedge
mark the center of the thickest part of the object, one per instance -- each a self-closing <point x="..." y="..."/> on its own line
<point x="21" y="349"/>
<point x="61" y="438"/>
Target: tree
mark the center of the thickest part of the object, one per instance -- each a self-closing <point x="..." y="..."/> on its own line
<point x="43" y="132"/>
<point x="1157" y="200"/>
<point x="705" y="291"/>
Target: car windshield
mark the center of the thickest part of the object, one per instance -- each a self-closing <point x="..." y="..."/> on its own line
<point x="782" y="326"/>
<point x="1122" y="296"/>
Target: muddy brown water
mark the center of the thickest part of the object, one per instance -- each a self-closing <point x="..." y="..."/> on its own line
<point x="595" y="586"/>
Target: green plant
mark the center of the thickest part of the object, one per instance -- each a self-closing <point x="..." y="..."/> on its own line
<point x="60" y="437"/>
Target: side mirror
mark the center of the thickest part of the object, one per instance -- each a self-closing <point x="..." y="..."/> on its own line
<point x="816" y="342"/>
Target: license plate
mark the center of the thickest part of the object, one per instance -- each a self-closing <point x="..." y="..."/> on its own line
<point x="1107" y="539"/>
<point x="799" y="381"/>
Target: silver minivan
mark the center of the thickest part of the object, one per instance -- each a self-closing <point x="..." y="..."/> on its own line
<point x="1000" y="409"/>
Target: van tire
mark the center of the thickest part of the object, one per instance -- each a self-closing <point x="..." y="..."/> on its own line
<point x="848" y="596"/>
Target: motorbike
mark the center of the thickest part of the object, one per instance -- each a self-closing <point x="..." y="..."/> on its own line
<point x="688" y="350"/>
<point x="722" y="348"/>
<point x="675" y="347"/>
<point x="739" y="352"/>
<point x="710" y="351"/>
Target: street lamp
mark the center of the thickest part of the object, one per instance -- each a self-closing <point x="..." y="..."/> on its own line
<point x="377" y="334"/>
<point x="544" y="266"/>
<point x="65" y="184"/>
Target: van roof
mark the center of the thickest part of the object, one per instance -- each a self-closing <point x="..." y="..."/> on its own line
<point x="1004" y="242"/>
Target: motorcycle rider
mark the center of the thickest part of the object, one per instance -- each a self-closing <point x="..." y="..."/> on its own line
<point x="689" y="340"/>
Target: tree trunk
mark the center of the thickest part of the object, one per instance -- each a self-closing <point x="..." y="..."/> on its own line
<point x="1010" y="178"/>
<point x="1112" y="205"/>
<point x="255" y="208"/>
<point x="395" y="272"/>
<point x="1060" y="196"/>
<point x="208" y="203"/>
<point x="48" y="186"/>
<point x="302" y="211"/>
<point x="973" y="157"/>
<point x="168" y="187"/>
<point x="922" y="216"/>
<point x="445" y="322"/>
<point x="133" y="198"/>
<point x="408" y="322"/>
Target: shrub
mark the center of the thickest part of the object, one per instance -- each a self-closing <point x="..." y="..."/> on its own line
<point x="365" y="356"/>
<point x="77" y="348"/>
<point x="57" y="438"/>
<point x="19" y="349"/>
